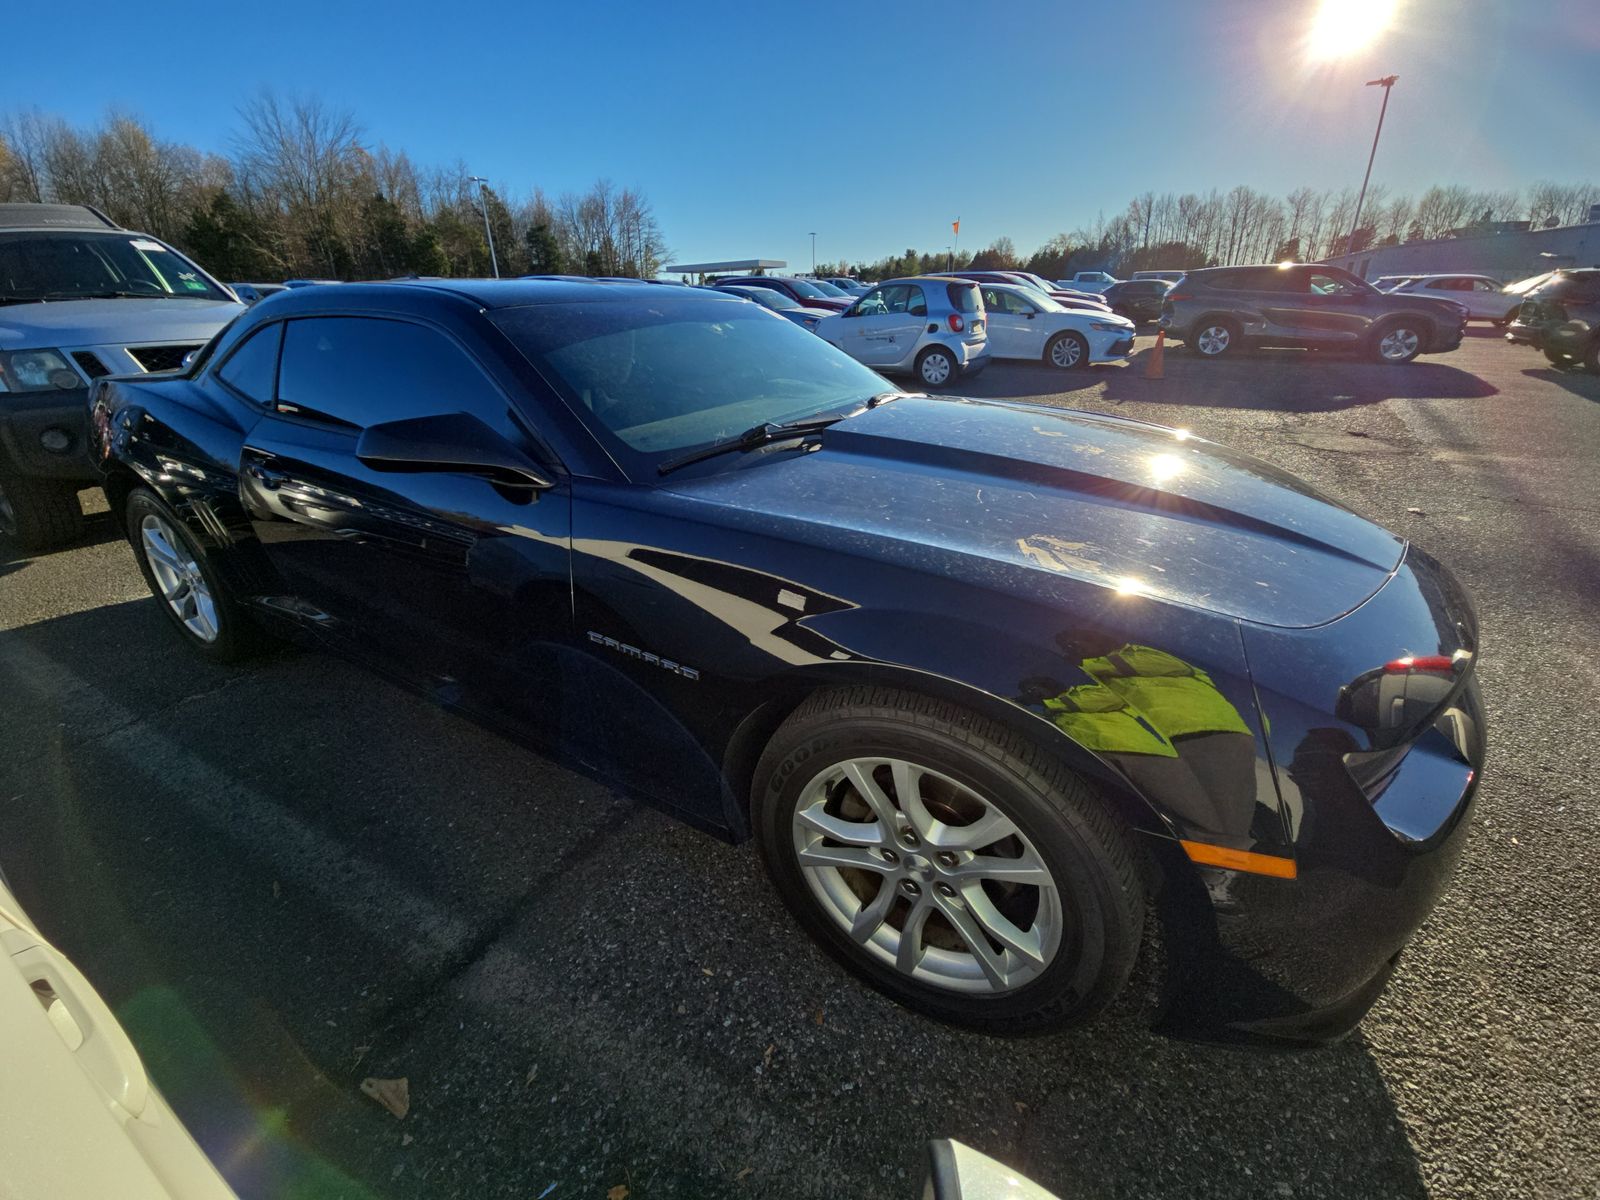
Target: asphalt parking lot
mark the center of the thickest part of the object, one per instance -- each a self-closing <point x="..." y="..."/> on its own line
<point x="290" y="877"/>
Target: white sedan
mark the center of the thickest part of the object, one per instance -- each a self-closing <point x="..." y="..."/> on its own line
<point x="1024" y="323"/>
<point x="1485" y="299"/>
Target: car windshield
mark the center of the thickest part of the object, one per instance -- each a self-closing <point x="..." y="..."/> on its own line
<point x="1523" y="286"/>
<point x="652" y="381"/>
<point x="806" y="288"/>
<point x="61" y="265"/>
<point x="1042" y="301"/>
<point x="827" y="289"/>
<point x="769" y="297"/>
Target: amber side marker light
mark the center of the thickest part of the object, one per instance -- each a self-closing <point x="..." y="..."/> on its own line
<point x="1208" y="855"/>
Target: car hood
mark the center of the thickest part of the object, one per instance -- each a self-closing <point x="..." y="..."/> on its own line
<point x="112" y="322"/>
<point x="1041" y="501"/>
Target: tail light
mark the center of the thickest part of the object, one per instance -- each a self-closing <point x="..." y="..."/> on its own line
<point x="1420" y="662"/>
<point x="1178" y="296"/>
<point x="956" y="323"/>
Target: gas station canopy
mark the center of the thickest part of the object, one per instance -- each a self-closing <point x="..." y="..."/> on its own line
<point x="737" y="264"/>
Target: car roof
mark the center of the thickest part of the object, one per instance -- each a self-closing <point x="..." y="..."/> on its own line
<point x="481" y="293"/>
<point x="36" y="217"/>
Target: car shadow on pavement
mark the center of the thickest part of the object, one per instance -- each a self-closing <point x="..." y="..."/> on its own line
<point x="98" y="529"/>
<point x="1576" y="381"/>
<point x="291" y="876"/>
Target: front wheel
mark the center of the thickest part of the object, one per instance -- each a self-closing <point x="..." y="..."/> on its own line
<point x="948" y="862"/>
<point x="1398" y="342"/>
<point x="191" y="592"/>
<point x="1067" y="351"/>
<point x="38" y="514"/>
<point x="1213" y="339"/>
<point x="935" y="366"/>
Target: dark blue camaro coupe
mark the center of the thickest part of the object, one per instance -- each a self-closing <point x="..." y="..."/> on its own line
<point x="996" y="687"/>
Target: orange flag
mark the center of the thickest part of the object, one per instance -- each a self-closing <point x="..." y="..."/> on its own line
<point x="955" y="226"/>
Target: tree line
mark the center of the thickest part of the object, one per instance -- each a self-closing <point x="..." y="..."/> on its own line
<point x="305" y="193"/>
<point x="1181" y="232"/>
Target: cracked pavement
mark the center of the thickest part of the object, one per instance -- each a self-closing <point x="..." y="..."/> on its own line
<point x="289" y="877"/>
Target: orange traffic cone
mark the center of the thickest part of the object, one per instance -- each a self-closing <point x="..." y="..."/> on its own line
<point x="1155" y="366"/>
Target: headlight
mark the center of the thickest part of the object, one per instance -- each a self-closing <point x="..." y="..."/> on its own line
<point x="36" y="371"/>
<point x="1111" y="327"/>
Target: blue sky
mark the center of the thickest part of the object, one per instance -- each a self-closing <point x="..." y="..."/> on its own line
<point x="873" y="123"/>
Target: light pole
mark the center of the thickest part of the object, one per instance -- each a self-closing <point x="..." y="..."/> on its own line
<point x="1387" y="82"/>
<point x="483" y="199"/>
<point x="813" y="252"/>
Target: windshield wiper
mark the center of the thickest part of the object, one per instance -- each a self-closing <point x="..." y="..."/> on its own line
<point x="760" y="435"/>
<point x="111" y="294"/>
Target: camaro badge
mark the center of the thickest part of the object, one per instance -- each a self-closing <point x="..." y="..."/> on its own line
<point x="599" y="639"/>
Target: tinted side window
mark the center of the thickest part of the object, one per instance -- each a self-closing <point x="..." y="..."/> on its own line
<point x="918" y="303"/>
<point x="897" y="299"/>
<point x="361" y="371"/>
<point x="252" y="368"/>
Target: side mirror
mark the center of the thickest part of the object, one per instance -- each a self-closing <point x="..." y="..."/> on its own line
<point x="1031" y="314"/>
<point x="454" y="442"/>
<point x="958" y="1172"/>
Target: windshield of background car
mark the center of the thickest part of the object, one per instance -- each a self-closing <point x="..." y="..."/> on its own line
<point x="770" y="298"/>
<point x="1582" y="287"/>
<point x="806" y="289"/>
<point x="828" y="289"/>
<point x="654" y="380"/>
<point x="62" y="265"/>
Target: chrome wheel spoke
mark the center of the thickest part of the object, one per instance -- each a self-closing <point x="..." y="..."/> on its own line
<point x="178" y="578"/>
<point x="875" y="798"/>
<point x="1027" y="869"/>
<point x="855" y="833"/>
<point x="869" y="918"/>
<point x="908" y="955"/>
<point x="961" y="920"/>
<point x="1003" y="930"/>
<point x="988" y="829"/>
<point x="821" y="855"/>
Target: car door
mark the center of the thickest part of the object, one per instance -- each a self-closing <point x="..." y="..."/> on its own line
<point x="1484" y="299"/>
<point x="884" y="329"/>
<point x="1012" y="331"/>
<point x="452" y="580"/>
<point x="1332" y="308"/>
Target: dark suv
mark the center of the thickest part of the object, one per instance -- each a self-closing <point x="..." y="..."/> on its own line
<point x="1138" y="299"/>
<point x="1562" y="317"/>
<point x="1217" y="309"/>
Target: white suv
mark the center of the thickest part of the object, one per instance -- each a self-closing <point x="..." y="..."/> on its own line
<point x="1485" y="299"/>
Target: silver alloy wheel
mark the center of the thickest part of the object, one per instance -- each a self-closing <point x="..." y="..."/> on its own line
<point x="1214" y="339"/>
<point x="178" y="576"/>
<point x="1066" y="351"/>
<point x="927" y="876"/>
<point x="1399" y="343"/>
<point x="936" y="368"/>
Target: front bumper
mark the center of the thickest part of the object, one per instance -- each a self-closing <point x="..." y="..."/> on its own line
<point x="1299" y="961"/>
<point x="1525" y="335"/>
<point x="25" y="417"/>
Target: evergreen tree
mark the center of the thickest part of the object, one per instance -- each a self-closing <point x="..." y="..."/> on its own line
<point x="544" y="251"/>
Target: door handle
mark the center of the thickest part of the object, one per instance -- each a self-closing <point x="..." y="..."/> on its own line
<point x="269" y="479"/>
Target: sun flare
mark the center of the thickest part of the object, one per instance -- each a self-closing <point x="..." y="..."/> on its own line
<point x="1342" y="27"/>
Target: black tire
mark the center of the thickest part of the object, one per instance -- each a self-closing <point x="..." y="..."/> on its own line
<point x="1214" y="337"/>
<point x="1067" y="351"/>
<point x="928" y="363"/>
<point x="1558" y="359"/>
<point x="38" y="514"/>
<point x="1412" y="335"/>
<point x="1074" y="834"/>
<point x="237" y="636"/>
